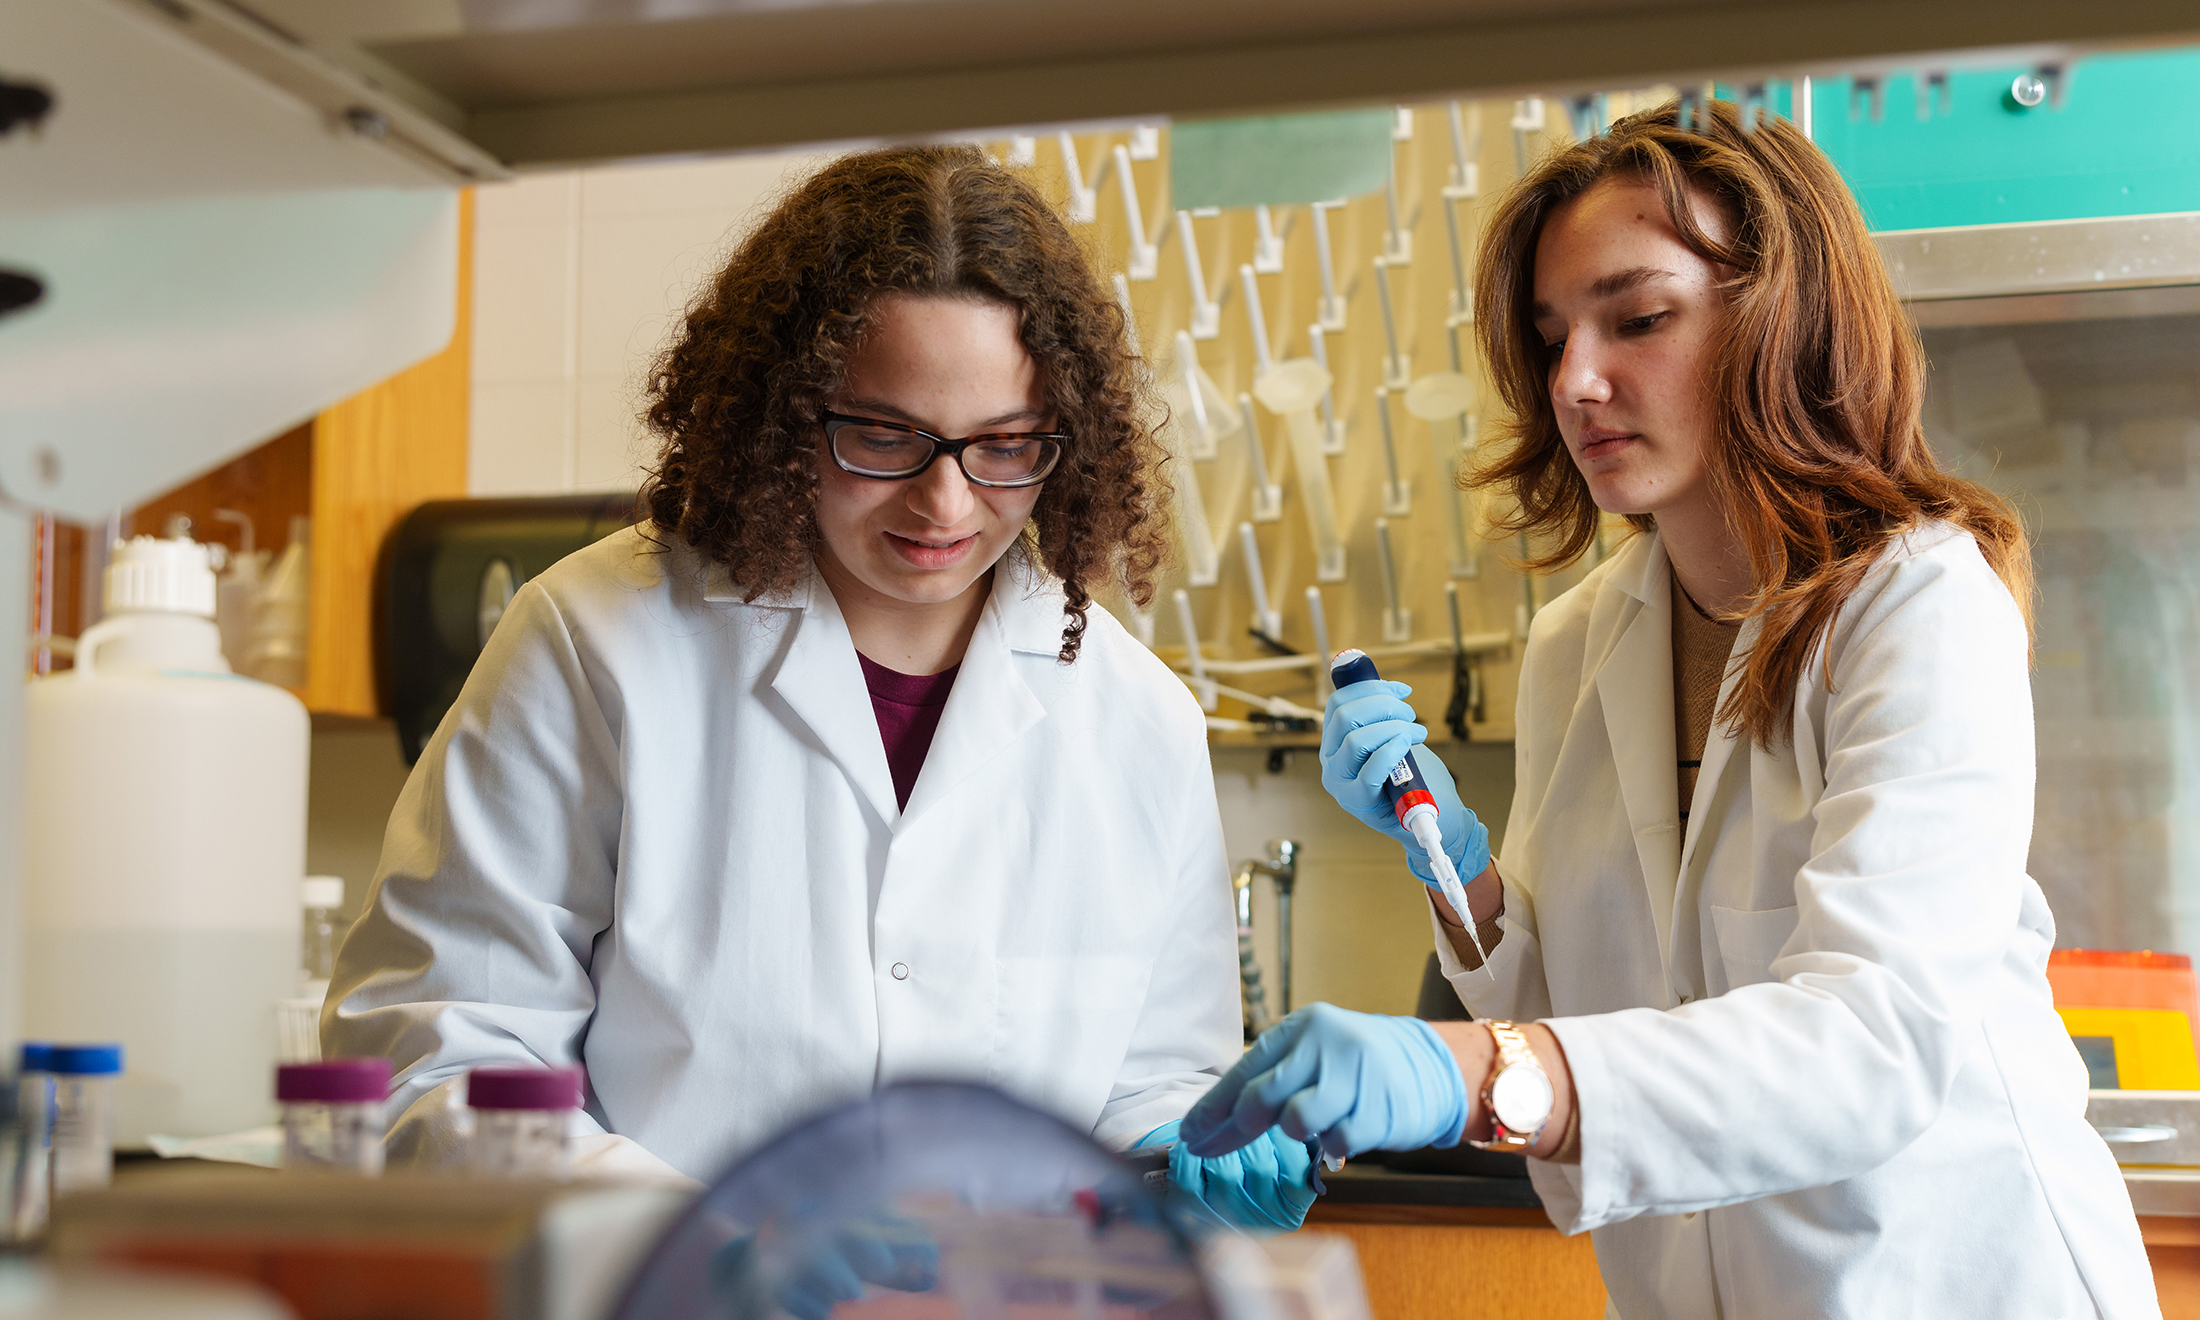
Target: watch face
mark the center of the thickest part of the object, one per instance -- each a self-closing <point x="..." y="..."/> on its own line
<point x="1521" y="1098"/>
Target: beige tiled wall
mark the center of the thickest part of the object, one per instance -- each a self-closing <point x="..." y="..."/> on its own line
<point x="579" y="277"/>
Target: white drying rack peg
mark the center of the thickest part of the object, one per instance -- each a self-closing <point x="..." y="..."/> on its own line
<point x="1145" y="256"/>
<point x="1332" y="425"/>
<point x="1466" y="152"/>
<point x="1267" y="620"/>
<point x="1292" y="390"/>
<point x="1083" y="205"/>
<point x="1318" y="619"/>
<point x="1206" y="312"/>
<point x="1444" y="400"/>
<point x="1397" y="366"/>
<point x="1401" y="123"/>
<point x="1145" y="142"/>
<point x="1023" y="151"/>
<point x="1262" y="359"/>
<point x="1397" y="619"/>
<point x="1267" y="492"/>
<point x="1202" y="444"/>
<point x="1397" y="491"/>
<point x="1330" y="310"/>
<point x="1267" y="243"/>
<point x="1130" y="318"/>
<point x="1201" y="684"/>
<point x="1397" y="237"/>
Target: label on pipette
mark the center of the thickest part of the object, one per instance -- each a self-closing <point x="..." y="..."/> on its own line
<point x="1409" y="794"/>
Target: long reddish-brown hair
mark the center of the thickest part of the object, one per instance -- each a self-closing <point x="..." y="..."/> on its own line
<point x="735" y="401"/>
<point x="1818" y="456"/>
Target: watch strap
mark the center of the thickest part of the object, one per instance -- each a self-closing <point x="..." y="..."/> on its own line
<point x="1513" y="1051"/>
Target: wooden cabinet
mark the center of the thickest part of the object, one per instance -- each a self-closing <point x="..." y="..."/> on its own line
<point x="1437" y="1262"/>
<point x="356" y="469"/>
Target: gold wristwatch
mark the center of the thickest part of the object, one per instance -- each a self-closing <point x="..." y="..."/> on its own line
<point x="1517" y="1094"/>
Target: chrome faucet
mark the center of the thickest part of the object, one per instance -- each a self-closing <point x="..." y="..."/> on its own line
<point x="1282" y="866"/>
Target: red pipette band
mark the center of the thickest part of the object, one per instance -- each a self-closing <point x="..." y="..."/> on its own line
<point x="1410" y="799"/>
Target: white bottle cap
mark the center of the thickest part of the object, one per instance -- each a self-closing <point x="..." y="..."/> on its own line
<point x="322" y="891"/>
<point x="150" y="573"/>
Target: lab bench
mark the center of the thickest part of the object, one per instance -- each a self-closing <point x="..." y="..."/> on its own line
<point x="1437" y="1241"/>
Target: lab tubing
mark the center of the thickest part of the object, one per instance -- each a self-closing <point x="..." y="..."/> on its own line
<point x="1408" y="794"/>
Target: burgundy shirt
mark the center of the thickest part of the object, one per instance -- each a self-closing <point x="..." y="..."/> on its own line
<point x="908" y="707"/>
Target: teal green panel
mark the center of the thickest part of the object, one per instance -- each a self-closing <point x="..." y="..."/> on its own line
<point x="2122" y="144"/>
<point x="1278" y="160"/>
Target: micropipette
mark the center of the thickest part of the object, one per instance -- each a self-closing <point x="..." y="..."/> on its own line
<point x="1409" y="796"/>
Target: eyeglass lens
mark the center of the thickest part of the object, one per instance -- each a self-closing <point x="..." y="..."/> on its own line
<point x="882" y="452"/>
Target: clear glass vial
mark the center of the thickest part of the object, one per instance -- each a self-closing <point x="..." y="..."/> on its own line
<point x="83" y="1115"/>
<point x="523" y="1120"/>
<point x="332" y="1115"/>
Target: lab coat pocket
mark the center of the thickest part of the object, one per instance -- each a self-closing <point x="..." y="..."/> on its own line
<point x="1749" y="941"/>
<point x="1066" y="1022"/>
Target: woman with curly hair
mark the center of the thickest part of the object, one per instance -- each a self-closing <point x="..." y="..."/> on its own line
<point x="1785" y="1042"/>
<point x="830" y="775"/>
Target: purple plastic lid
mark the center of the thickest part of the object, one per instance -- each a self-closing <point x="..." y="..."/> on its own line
<point x="334" y="1082"/>
<point x="524" y="1088"/>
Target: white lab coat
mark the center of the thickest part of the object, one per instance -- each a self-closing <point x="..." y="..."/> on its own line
<point x="656" y="835"/>
<point x="1819" y="1067"/>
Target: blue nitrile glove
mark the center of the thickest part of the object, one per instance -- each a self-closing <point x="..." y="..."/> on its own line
<point x="1366" y="731"/>
<point x="1260" y="1190"/>
<point x="1357" y="1081"/>
<point x="884" y="1249"/>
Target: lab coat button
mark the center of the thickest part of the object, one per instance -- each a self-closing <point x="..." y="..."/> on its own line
<point x="901" y="971"/>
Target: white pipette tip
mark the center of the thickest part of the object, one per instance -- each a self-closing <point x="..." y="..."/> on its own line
<point x="1447" y="880"/>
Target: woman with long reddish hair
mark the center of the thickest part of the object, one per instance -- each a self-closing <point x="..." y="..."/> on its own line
<point x="1784" y="1039"/>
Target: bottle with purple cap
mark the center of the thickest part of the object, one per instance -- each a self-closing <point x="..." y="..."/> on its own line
<point x="332" y="1115"/>
<point x="523" y="1120"/>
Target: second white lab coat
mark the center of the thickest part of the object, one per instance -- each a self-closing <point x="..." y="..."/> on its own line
<point x="1819" y="1068"/>
<point x="657" y="835"/>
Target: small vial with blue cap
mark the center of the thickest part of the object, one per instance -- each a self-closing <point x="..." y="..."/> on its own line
<point x="83" y="1115"/>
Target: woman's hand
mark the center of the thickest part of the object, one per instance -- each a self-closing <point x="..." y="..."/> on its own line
<point x="1260" y="1189"/>
<point x="1355" y="1081"/>
<point x="1366" y="731"/>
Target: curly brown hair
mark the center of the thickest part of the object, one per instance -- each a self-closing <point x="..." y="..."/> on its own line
<point x="735" y="401"/>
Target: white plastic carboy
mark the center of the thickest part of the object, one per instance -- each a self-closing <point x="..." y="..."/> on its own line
<point x="332" y="1115"/>
<point x="523" y="1120"/>
<point x="164" y="838"/>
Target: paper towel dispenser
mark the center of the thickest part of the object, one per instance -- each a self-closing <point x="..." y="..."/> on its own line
<point x="448" y="571"/>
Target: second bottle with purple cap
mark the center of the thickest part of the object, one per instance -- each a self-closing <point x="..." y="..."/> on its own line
<point x="523" y="1120"/>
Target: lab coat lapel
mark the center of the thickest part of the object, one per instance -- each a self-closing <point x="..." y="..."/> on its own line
<point x="821" y="681"/>
<point x="991" y="706"/>
<point x="1635" y="687"/>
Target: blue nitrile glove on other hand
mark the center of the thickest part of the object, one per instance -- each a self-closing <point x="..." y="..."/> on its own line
<point x="1366" y="731"/>
<point x="1356" y="1081"/>
<point x="881" y="1249"/>
<point x="1262" y="1189"/>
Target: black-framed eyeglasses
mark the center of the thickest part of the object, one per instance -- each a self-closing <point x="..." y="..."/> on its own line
<point x="890" y="451"/>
